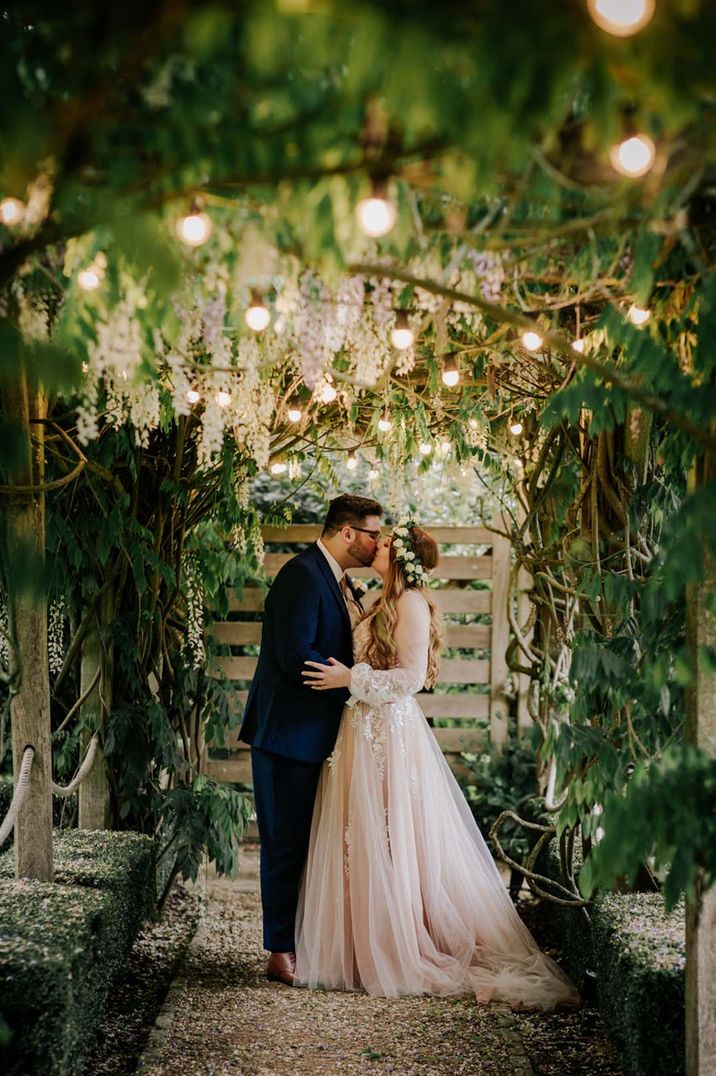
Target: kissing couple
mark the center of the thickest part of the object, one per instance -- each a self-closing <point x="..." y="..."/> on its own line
<point x="374" y="874"/>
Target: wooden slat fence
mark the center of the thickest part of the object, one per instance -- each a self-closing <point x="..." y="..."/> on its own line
<point x="475" y="621"/>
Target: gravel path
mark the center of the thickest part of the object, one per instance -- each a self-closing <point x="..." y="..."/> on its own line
<point x="223" y="1018"/>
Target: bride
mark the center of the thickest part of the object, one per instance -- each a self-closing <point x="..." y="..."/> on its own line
<point x="400" y="894"/>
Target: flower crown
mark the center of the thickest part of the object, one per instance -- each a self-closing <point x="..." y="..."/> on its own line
<point x="408" y="560"/>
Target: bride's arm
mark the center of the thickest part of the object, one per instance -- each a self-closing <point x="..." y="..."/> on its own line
<point x="412" y="639"/>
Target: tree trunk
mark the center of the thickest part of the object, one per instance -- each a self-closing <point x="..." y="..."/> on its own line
<point x="701" y="913"/>
<point x="24" y="540"/>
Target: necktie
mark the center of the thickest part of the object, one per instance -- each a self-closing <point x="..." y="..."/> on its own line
<point x="350" y="598"/>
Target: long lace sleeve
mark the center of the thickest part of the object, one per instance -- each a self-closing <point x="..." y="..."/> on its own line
<point x="412" y="637"/>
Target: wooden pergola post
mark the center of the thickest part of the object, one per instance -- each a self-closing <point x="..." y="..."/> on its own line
<point x="701" y="912"/>
<point x="24" y="542"/>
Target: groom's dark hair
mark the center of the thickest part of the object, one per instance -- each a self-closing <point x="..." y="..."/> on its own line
<point x="349" y="511"/>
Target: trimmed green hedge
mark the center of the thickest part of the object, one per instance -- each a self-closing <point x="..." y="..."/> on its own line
<point x="62" y="943"/>
<point x="639" y="955"/>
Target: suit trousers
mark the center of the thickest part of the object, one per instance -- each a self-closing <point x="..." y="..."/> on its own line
<point x="284" y="792"/>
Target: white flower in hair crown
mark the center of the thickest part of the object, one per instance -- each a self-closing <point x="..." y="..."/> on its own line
<point x="414" y="571"/>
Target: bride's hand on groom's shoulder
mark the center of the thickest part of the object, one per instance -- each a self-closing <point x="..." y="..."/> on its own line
<point x="326" y="677"/>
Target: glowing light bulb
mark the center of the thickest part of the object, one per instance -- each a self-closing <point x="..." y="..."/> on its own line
<point x="621" y="17"/>
<point x="384" y="422"/>
<point x="328" y="392"/>
<point x="578" y="345"/>
<point x="88" y="279"/>
<point x="531" y="340"/>
<point x="12" y="211"/>
<point x="402" y="335"/>
<point x="194" y="229"/>
<point x="376" y="216"/>
<point x="425" y="448"/>
<point x="445" y="447"/>
<point x="634" y="156"/>
<point x="451" y="373"/>
<point x="637" y="315"/>
<point x="258" y="315"/>
<point x="516" y="427"/>
<point x="373" y="474"/>
<point x="351" y="462"/>
<point x="193" y="396"/>
<point x="223" y="398"/>
<point x="294" y="413"/>
<point x="279" y="467"/>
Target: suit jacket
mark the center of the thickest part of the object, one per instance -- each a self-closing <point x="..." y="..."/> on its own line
<point x="305" y="619"/>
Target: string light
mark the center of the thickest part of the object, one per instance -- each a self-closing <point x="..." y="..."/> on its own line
<point x="638" y="315"/>
<point x="294" y="412"/>
<point x="279" y="467"/>
<point x="633" y="157"/>
<point x="352" y="462"/>
<point x="373" y="474"/>
<point x="531" y="340"/>
<point x="621" y="17"/>
<point x="223" y="398"/>
<point x="445" y="447"/>
<point x="402" y="335"/>
<point x="12" y="211"/>
<point x="578" y="345"/>
<point x="451" y="372"/>
<point x="193" y="396"/>
<point x="384" y="422"/>
<point x="195" y="228"/>
<point x="376" y="215"/>
<point x="328" y="392"/>
<point x="425" y="448"/>
<point x="258" y="315"/>
<point x="516" y="427"/>
<point x="89" y="279"/>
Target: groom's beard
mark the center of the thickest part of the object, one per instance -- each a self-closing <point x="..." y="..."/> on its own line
<point x="361" y="554"/>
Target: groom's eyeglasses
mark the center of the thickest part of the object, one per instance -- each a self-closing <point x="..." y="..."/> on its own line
<point x="375" y="535"/>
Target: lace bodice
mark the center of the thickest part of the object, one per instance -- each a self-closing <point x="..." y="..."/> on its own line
<point x="379" y="687"/>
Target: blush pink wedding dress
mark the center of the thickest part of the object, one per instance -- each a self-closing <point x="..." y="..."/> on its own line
<point x="400" y="894"/>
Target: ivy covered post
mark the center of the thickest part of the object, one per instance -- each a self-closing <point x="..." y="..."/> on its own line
<point x="94" y="791"/>
<point x="23" y="513"/>
<point x="701" y="730"/>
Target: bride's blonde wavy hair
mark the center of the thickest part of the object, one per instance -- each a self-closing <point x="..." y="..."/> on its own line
<point x="381" y="652"/>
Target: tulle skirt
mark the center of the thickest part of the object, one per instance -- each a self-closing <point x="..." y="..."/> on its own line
<point x="400" y="894"/>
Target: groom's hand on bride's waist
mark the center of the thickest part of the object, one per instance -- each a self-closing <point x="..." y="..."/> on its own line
<point x="326" y="677"/>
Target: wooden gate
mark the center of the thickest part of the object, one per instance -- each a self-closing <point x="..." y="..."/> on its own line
<point x="473" y="579"/>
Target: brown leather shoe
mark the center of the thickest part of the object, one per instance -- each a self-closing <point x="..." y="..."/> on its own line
<point x="280" y="968"/>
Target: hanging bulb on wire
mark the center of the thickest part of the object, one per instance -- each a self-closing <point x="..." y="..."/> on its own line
<point x="384" y="422"/>
<point x="295" y="414"/>
<point x="258" y="315"/>
<point x="634" y="156"/>
<point x="425" y="448"/>
<point x="376" y="215"/>
<point x="621" y="17"/>
<point x="193" y="396"/>
<point x="195" y="228"/>
<point x="12" y="212"/>
<point x="223" y="398"/>
<point x="531" y="340"/>
<point x="451" y="372"/>
<point x="402" y="335"/>
<point x="516" y="427"/>
<point x="352" y="462"/>
<point x="279" y="467"/>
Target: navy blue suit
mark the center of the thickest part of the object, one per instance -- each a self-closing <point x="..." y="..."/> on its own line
<point x="291" y="728"/>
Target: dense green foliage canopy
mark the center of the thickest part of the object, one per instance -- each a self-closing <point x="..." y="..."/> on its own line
<point x="493" y="133"/>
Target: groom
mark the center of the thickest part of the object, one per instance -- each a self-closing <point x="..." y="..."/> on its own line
<point x="292" y="729"/>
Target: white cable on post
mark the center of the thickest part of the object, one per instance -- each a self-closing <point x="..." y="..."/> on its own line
<point x="18" y="795"/>
<point x="84" y="769"/>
